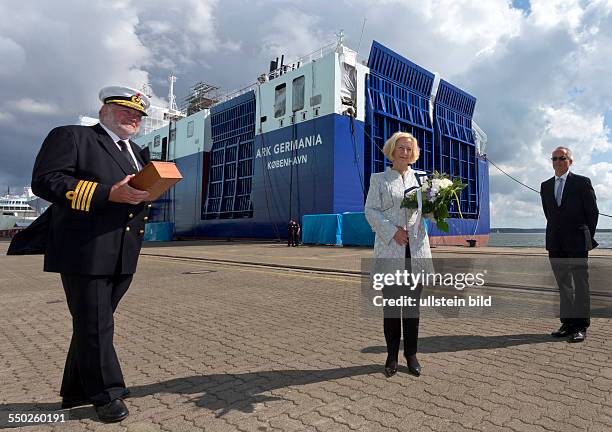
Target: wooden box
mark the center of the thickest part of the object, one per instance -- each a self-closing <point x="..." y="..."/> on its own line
<point x="156" y="178"/>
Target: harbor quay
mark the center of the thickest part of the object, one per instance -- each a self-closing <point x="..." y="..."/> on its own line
<point x="255" y="336"/>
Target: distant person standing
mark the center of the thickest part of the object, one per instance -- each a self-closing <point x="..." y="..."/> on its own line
<point x="570" y="207"/>
<point x="96" y="227"/>
<point x="294" y="233"/>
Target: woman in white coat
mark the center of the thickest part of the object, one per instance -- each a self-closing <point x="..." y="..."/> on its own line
<point x="399" y="234"/>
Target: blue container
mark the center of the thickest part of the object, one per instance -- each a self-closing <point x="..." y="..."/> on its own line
<point x="322" y="229"/>
<point x="356" y="230"/>
<point x="159" y="231"/>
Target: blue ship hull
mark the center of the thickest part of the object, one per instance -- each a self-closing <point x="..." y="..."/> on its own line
<point x="327" y="178"/>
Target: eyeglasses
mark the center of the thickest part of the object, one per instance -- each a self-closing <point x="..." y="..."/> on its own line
<point x="561" y="158"/>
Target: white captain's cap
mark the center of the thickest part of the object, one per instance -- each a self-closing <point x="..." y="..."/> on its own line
<point x="125" y="96"/>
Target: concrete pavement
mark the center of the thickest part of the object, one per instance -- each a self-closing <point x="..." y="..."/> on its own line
<point x="224" y="337"/>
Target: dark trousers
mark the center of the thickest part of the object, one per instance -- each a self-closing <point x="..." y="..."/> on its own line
<point x="571" y="272"/>
<point x="293" y="239"/>
<point x="92" y="369"/>
<point x="393" y="323"/>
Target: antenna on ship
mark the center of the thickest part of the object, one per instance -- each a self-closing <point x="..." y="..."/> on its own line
<point x="340" y="37"/>
<point x="361" y="37"/>
<point x="171" y="98"/>
<point x="146" y="89"/>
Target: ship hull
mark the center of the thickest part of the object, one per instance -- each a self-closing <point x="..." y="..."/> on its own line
<point x="310" y="168"/>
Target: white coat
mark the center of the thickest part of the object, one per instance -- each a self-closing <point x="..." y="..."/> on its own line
<point x="384" y="214"/>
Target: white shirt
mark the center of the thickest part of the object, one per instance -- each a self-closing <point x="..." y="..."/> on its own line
<point x="564" y="177"/>
<point x="116" y="138"/>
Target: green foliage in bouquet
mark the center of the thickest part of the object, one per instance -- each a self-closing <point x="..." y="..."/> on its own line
<point x="437" y="193"/>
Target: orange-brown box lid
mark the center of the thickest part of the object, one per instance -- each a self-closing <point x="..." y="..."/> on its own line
<point x="156" y="178"/>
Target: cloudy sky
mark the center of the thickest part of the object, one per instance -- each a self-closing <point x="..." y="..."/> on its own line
<point x="540" y="69"/>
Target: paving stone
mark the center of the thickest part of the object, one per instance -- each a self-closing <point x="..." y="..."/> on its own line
<point x="261" y="349"/>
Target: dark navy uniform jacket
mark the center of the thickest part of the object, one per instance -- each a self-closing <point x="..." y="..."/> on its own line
<point x="87" y="234"/>
<point x="571" y="226"/>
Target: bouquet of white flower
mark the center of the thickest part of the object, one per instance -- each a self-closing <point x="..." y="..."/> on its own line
<point x="436" y="195"/>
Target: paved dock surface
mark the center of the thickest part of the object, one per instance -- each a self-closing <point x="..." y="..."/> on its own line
<point x="225" y="336"/>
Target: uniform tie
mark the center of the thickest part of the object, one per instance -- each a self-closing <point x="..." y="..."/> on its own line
<point x="559" y="191"/>
<point x="126" y="153"/>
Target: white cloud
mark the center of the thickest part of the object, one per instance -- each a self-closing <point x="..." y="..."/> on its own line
<point x="6" y="117"/>
<point x="13" y="57"/>
<point x="551" y="13"/>
<point x="442" y="35"/>
<point x="31" y="106"/>
<point x="541" y="79"/>
<point x="184" y="37"/>
<point x="540" y="89"/>
<point x="300" y="32"/>
<point x="585" y="134"/>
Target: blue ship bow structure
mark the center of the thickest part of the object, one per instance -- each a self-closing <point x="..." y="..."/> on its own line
<point x="399" y="97"/>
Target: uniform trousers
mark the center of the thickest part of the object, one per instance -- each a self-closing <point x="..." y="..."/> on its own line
<point x="397" y="317"/>
<point x="92" y="371"/>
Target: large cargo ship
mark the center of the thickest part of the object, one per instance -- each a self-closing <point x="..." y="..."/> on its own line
<point x="305" y="139"/>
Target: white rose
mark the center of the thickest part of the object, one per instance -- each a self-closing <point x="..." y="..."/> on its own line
<point x="437" y="183"/>
<point x="445" y="183"/>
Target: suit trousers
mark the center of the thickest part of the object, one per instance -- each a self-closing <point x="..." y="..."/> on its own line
<point x="409" y="320"/>
<point x="92" y="368"/>
<point x="571" y="272"/>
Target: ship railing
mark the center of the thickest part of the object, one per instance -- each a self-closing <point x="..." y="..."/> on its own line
<point x="234" y="93"/>
<point x="291" y="65"/>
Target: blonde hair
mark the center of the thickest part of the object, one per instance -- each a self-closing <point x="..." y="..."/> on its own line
<point x="389" y="146"/>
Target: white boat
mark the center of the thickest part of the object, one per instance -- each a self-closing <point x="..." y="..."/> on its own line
<point x="20" y="210"/>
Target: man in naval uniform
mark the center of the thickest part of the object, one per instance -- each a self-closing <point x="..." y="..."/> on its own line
<point x="94" y="238"/>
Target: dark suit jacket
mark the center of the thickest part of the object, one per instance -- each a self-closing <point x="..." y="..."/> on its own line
<point x="571" y="226"/>
<point x="87" y="234"/>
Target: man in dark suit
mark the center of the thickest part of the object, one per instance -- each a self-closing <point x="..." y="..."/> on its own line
<point x="95" y="233"/>
<point x="570" y="207"/>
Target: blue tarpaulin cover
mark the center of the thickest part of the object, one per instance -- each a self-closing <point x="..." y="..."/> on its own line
<point x="159" y="231"/>
<point x="322" y="229"/>
<point x="356" y="231"/>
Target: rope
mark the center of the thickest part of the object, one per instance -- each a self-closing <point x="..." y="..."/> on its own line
<point x="528" y="187"/>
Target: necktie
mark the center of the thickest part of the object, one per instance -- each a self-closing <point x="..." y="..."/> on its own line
<point x="559" y="191"/>
<point x="126" y="153"/>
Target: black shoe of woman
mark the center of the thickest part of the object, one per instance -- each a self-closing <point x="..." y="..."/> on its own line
<point x="390" y="368"/>
<point x="414" y="368"/>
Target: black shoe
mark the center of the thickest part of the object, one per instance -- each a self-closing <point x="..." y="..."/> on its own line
<point x="126" y="393"/>
<point x="73" y="403"/>
<point x="577" y="336"/>
<point x="564" y="331"/>
<point x="390" y="368"/>
<point x="112" y="412"/>
<point x="414" y="368"/>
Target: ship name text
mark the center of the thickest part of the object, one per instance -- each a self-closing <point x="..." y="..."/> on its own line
<point x="289" y="146"/>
